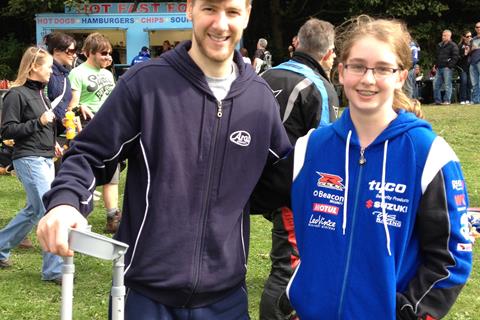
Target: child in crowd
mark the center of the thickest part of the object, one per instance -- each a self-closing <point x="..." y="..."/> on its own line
<point x="379" y="200"/>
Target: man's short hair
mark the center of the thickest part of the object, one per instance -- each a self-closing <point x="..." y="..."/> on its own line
<point x="316" y="37"/>
<point x="262" y="43"/>
<point x="96" y="42"/>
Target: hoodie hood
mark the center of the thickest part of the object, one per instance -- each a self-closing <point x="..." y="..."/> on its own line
<point x="405" y="121"/>
<point x="181" y="61"/>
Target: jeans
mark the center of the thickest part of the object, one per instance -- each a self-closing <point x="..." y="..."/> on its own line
<point x="444" y="76"/>
<point x="465" y="86"/>
<point x="475" y="79"/>
<point x="36" y="174"/>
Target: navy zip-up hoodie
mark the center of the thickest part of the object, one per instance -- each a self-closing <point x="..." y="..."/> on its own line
<point x="192" y="163"/>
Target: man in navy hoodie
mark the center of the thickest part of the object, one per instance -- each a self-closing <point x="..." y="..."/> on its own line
<point x="196" y="146"/>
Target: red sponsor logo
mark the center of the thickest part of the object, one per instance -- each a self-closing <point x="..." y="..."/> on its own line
<point x="369" y="203"/>
<point x="460" y="200"/>
<point x="325" y="208"/>
<point x="331" y="181"/>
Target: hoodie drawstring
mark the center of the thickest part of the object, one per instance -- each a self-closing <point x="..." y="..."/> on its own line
<point x="347" y="156"/>
<point x="382" y="191"/>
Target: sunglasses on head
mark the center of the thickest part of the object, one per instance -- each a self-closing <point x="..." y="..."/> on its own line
<point x="70" y="51"/>
<point x="105" y="53"/>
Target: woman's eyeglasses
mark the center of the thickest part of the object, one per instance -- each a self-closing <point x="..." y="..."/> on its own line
<point x="378" y="72"/>
<point x="105" y="53"/>
<point x="70" y="52"/>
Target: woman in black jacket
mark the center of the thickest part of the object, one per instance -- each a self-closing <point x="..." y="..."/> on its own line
<point x="27" y="117"/>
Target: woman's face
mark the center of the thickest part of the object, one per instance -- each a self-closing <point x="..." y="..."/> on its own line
<point x="65" y="57"/>
<point x="42" y="72"/>
<point x="372" y="90"/>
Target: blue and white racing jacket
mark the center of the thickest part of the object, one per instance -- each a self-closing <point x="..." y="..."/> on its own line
<point x="382" y="232"/>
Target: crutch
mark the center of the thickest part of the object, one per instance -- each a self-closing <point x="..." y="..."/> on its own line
<point x="99" y="246"/>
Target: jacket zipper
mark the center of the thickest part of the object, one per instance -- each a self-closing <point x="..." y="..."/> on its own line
<point x="361" y="162"/>
<point x="203" y="220"/>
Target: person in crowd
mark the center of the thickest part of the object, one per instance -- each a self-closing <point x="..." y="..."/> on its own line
<point x="59" y="91"/>
<point x="307" y="100"/>
<point x="189" y="177"/>
<point x="28" y="118"/>
<point x="291" y="47"/>
<point x="410" y="87"/>
<point x="475" y="65"/>
<point x="372" y="190"/>
<point x="261" y="57"/>
<point x="143" y="55"/>
<point x="245" y="57"/>
<point x="464" y="67"/>
<point x="166" y="46"/>
<point x="446" y="60"/>
<point x="91" y="85"/>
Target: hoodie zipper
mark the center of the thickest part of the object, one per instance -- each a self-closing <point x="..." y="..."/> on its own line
<point x="206" y="205"/>
<point x="362" y="160"/>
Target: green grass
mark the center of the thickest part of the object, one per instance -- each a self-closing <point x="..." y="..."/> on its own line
<point x="24" y="296"/>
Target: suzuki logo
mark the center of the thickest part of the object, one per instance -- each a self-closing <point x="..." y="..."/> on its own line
<point x="241" y="137"/>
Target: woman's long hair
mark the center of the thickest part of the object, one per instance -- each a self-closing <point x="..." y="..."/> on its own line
<point x="392" y="32"/>
<point x="33" y="56"/>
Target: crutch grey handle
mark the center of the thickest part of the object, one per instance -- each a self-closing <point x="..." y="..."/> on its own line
<point x="99" y="246"/>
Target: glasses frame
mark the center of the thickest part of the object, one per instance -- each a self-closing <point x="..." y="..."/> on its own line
<point x="105" y="53"/>
<point x="374" y="70"/>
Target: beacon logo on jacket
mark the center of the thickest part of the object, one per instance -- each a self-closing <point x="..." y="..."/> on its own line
<point x="381" y="239"/>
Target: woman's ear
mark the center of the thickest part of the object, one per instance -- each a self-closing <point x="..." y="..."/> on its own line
<point x="340" y="72"/>
<point x="402" y="76"/>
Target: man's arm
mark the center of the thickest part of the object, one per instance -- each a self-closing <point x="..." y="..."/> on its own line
<point x="91" y="160"/>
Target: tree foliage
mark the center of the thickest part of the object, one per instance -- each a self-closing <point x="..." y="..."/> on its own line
<point x="278" y="20"/>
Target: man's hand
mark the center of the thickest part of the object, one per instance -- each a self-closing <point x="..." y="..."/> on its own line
<point x="52" y="230"/>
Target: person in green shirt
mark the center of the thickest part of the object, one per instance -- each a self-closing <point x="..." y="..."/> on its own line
<point x="91" y="84"/>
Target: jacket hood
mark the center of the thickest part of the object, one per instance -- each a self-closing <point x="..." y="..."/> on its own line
<point x="181" y="61"/>
<point x="405" y="121"/>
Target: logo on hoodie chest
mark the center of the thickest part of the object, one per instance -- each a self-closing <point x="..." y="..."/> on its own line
<point x="394" y="205"/>
<point x="241" y="138"/>
<point x="327" y="199"/>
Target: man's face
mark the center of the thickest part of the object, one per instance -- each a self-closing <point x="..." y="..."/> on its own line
<point x="217" y="27"/>
<point x="446" y="36"/>
<point x="101" y="59"/>
<point x="477" y="28"/>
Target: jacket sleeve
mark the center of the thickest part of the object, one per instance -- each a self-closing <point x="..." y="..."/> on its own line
<point x="273" y="189"/>
<point x="455" y="56"/>
<point x="94" y="154"/>
<point x="13" y="126"/>
<point x="445" y="244"/>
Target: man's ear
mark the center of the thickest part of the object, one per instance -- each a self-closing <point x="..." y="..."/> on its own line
<point x="188" y="12"/>
<point x="249" y="9"/>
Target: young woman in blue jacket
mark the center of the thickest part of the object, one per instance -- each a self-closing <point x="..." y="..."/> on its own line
<point x="379" y="200"/>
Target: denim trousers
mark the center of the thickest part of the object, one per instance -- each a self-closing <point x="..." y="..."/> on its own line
<point x="443" y="77"/>
<point x="475" y="79"/>
<point x="36" y="174"/>
<point x="465" y="86"/>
